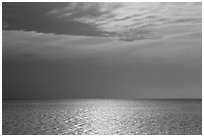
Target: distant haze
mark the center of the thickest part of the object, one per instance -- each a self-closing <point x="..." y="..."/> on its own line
<point x="102" y="50"/>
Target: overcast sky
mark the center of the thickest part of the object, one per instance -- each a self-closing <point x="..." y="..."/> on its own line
<point x="102" y="50"/>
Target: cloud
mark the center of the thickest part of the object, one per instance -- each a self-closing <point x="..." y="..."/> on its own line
<point x="123" y="21"/>
<point x="33" y="17"/>
<point x="77" y="10"/>
<point x="134" y="21"/>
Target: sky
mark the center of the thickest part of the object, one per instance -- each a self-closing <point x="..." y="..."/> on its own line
<point x="101" y="50"/>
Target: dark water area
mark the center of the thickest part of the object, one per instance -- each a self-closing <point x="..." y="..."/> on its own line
<point x="102" y="117"/>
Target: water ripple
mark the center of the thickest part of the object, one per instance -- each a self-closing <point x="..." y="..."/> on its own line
<point x="86" y="117"/>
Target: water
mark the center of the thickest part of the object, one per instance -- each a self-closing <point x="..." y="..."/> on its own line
<point x="102" y="116"/>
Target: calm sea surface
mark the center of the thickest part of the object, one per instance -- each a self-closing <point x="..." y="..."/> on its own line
<point x="102" y="116"/>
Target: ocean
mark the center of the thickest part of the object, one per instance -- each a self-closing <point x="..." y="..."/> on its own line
<point x="102" y="117"/>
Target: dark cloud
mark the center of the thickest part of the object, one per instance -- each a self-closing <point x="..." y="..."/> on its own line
<point x="33" y="17"/>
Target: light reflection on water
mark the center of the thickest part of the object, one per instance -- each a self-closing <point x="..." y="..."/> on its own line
<point x="102" y="117"/>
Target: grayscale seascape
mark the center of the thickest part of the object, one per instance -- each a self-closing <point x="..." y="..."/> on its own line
<point x="103" y="116"/>
<point x="102" y="68"/>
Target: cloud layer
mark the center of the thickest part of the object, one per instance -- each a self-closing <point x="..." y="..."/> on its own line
<point x="124" y="21"/>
